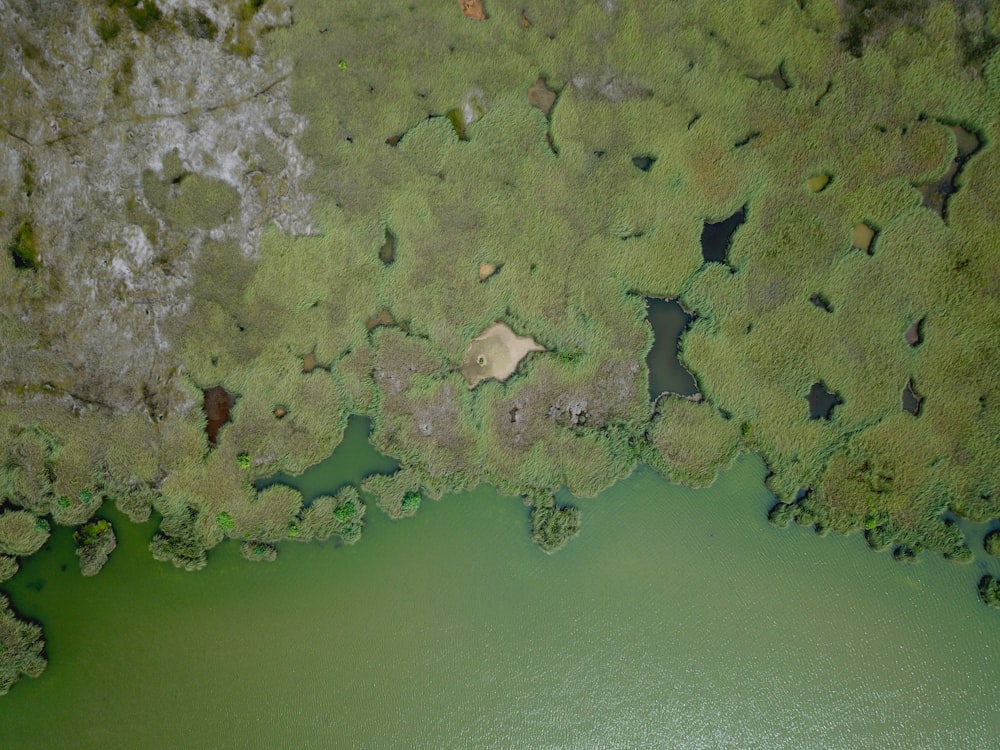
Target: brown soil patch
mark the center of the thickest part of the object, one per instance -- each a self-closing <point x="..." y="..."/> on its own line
<point x="217" y="405"/>
<point x="309" y="363"/>
<point x="541" y="96"/>
<point x="496" y="353"/>
<point x="473" y="9"/>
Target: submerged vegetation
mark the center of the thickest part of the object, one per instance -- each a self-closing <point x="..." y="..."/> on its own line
<point x="201" y="290"/>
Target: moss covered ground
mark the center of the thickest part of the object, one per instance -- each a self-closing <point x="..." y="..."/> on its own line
<point x="577" y="151"/>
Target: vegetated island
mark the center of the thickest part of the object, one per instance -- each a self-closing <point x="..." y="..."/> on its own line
<point x="230" y="226"/>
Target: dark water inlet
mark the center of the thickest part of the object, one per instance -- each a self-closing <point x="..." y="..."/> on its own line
<point x="718" y="236"/>
<point x="666" y="373"/>
<point x="351" y="461"/>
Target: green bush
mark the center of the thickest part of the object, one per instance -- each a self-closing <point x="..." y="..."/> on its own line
<point x="8" y="567"/>
<point x="259" y="551"/>
<point x="989" y="591"/>
<point x="411" y="502"/>
<point x="21" y="647"/>
<point x="345" y="511"/>
<point x="94" y="543"/>
<point x="178" y="542"/>
<point x="552" y="526"/>
<point x="22" y="533"/>
<point x="781" y="514"/>
<point x="991" y="543"/>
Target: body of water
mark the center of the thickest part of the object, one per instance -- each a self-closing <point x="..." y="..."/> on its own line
<point x="678" y="618"/>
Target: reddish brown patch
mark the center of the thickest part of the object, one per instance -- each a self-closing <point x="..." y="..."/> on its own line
<point x="393" y="140"/>
<point x="309" y="363"/>
<point x="524" y="20"/>
<point x="473" y="9"/>
<point x="280" y="412"/>
<point x="218" y="405"/>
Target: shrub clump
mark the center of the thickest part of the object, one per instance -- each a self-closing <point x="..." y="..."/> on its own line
<point x="94" y="543"/>
<point x="781" y="514"/>
<point x="397" y="494"/>
<point x="259" y="551"/>
<point x="21" y="647"/>
<point x="8" y="567"/>
<point x="989" y="591"/>
<point x="22" y="533"/>
<point x="991" y="543"/>
<point x="177" y="542"/>
<point x="553" y="525"/>
<point x="342" y="514"/>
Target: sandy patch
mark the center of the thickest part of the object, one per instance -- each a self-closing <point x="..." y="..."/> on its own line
<point x="496" y="353"/>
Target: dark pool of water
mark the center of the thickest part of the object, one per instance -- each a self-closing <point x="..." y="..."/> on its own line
<point x="387" y="253"/>
<point x="716" y="237"/>
<point x="912" y="400"/>
<point x="666" y="373"/>
<point x="821" y="402"/>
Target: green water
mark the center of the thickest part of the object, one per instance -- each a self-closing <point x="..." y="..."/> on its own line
<point x="678" y="618"/>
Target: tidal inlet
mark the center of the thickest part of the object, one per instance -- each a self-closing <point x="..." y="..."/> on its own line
<point x="471" y="374"/>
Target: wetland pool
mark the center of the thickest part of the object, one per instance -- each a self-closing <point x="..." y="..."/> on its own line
<point x="678" y="618"/>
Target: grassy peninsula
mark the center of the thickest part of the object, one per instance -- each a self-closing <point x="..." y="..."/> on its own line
<point x="230" y="226"/>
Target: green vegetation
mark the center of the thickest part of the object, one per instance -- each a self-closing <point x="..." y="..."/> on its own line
<point x="552" y="525"/>
<point x="23" y="249"/>
<point x="394" y="493"/>
<point x="94" y="543"/>
<point x="342" y="514"/>
<point x="142" y="13"/>
<point x="991" y="543"/>
<point x="989" y="591"/>
<point x="217" y="278"/>
<point x="411" y="502"/>
<point x="22" y="533"/>
<point x="259" y="551"/>
<point x="21" y="647"/>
